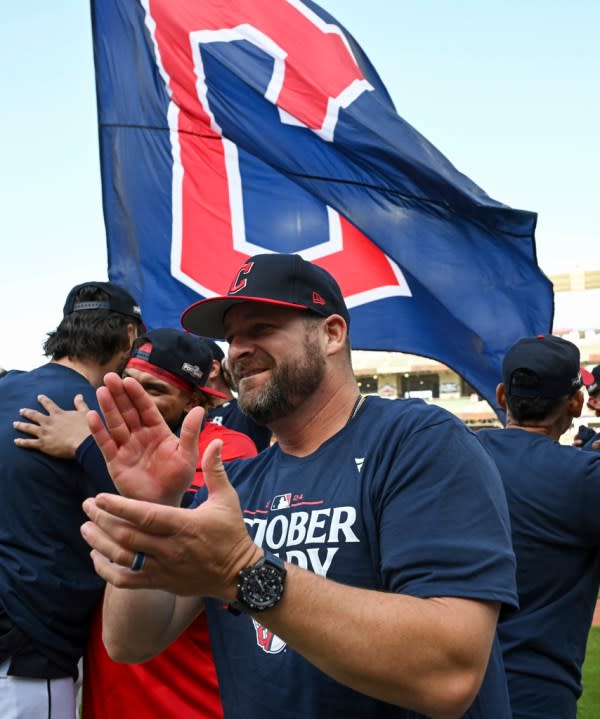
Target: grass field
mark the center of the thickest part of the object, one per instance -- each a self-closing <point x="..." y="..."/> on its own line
<point x="589" y="703"/>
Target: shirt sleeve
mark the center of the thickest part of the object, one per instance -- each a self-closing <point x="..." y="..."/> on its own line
<point x="444" y="526"/>
<point x="96" y="477"/>
<point x="590" y="499"/>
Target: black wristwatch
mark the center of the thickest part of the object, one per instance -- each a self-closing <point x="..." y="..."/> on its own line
<point x="260" y="586"/>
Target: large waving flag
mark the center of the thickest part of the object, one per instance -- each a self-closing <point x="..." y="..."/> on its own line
<point x="233" y="128"/>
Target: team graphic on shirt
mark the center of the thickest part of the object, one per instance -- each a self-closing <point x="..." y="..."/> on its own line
<point x="309" y="538"/>
<point x="267" y="640"/>
<point x="284" y="533"/>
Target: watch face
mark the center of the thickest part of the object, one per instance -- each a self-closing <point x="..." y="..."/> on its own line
<point x="262" y="587"/>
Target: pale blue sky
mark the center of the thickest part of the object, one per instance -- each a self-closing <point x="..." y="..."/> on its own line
<point x="507" y="90"/>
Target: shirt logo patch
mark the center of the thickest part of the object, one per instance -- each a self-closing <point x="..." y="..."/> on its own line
<point x="266" y="640"/>
<point x="282" y="501"/>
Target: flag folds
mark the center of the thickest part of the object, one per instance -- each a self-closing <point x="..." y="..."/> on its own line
<point x="230" y="129"/>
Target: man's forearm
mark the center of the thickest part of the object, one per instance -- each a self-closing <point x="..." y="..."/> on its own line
<point x="429" y="655"/>
<point x="140" y="623"/>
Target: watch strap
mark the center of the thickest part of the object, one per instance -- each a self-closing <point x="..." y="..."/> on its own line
<point x="268" y="563"/>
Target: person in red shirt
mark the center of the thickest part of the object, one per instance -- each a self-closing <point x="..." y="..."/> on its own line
<point x="172" y="366"/>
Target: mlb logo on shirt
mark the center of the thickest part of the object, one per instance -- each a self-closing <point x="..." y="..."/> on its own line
<point x="282" y="501"/>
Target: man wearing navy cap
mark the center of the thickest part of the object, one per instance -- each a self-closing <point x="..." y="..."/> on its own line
<point x="48" y="588"/>
<point x="553" y="493"/>
<point x="353" y="569"/>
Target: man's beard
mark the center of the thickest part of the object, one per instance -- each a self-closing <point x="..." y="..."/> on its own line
<point x="290" y="383"/>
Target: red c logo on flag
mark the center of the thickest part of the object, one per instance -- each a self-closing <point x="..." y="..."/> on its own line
<point x="308" y="87"/>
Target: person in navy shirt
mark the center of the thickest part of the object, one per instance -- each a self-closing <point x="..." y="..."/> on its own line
<point x="355" y="568"/>
<point x="172" y="367"/>
<point x="48" y="587"/>
<point x="553" y="493"/>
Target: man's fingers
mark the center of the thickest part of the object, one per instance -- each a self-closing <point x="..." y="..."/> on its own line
<point x="213" y="470"/>
<point x="102" y="437"/>
<point x="27" y="443"/>
<point x="118" y="575"/>
<point x="150" y="517"/>
<point x="27" y="428"/>
<point x="126" y="407"/>
<point x="143" y="405"/>
<point x="122" y="546"/>
<point x="50" y="406"/>
<point x="80" y="404"/>
<point x="103" y="542"/>
<point x="117" y="408"/>
<point x="32" y="415"/>
<point x="190" y="429"/>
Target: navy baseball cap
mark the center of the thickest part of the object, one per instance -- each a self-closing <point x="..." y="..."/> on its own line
<point x="274" y="279"/>
<point x="217" y="352"/>
<point x="119" y="300"/>
<point x="179" y="358"/>
<point x="553" y="364"/>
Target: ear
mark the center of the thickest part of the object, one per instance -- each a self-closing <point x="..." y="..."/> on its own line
<point x="196" y="398"/>
<point x="336" y="331"/>
<point x="132" y="334"/>
<point x="215" y="368"/>
<point x="501" y="396"/>
<point x="575" y="404"/>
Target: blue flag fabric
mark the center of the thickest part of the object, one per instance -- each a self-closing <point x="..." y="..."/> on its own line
<point x="230" y="129"/>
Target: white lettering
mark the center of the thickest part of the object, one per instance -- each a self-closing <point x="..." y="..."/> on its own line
<point x="317" y="523"/>
<point x="315" y="562"/>
<point x="278" y="523"/>
<point x="297" y="531"/>
<point x="333" y="526"/>
<point x="338" y="525"/>
<point x="297" y="557"/>
<point x="261" y="525"/>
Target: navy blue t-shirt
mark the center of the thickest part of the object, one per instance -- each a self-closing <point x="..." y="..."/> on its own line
<point x="230" y="415"/>
<point x="48" y="586"/>
<point x="403" y="499"/>
<point x="553" y="494"/>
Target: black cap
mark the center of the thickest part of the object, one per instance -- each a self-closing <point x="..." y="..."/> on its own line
<point x="184" y="359"/>
<point x="119" y="300"/>
<point x="274" y="279"/>
<point x="553" y="363"/>
<point x="217" y="352"/>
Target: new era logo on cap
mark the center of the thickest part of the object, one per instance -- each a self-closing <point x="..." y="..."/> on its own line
<point x="277" y="279"/>
<point x="192" y="370"/>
